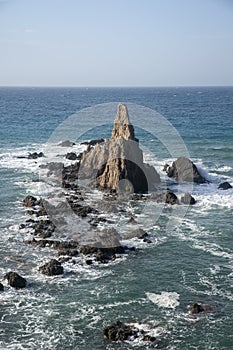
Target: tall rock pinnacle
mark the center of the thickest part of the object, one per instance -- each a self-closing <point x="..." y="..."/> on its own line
<point x="117" y="163"/>
<point x="122" y="128"/>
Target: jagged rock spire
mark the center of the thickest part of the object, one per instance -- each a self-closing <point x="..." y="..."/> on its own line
<point x="122" y="128"/>
<point x="117" y="163"/>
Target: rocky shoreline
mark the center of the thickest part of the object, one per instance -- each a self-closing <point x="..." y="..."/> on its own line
<point x="114" y="166"/>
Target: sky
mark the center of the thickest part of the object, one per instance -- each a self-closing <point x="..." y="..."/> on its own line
<point x="116" y="43"/>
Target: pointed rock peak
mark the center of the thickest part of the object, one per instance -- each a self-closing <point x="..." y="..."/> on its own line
<point x="122" y="127"/>
<point x="122" y="114"/>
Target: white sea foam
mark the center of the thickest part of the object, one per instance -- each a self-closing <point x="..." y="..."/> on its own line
<point x="168" y="300"/>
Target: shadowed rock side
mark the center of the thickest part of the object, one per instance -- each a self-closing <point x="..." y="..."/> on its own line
<point x="117" y="163"/>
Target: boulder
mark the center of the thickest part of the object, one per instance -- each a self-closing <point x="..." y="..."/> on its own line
<point x="184" y="170"/>
<point x="52" y="268"/>
<point x="72" y="156"/>
<point x="170" y="198"/>
<point x="167" y="197"/>
<point x="30" y="201"/>
<point x="15" y="280"/>
<point x="188" y="199"/>
<point x="117" y="163"/>
<point x="119" y="331"/>
<point x="225" y="186"/>
<point x="66" y="143"/>
<point x="1" y="287"/>
<point x="197" y="308"/>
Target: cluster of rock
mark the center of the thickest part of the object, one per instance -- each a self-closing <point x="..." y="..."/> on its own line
<point x="120" y="331"/>
<point x="33" y="155"/>
<point x="116" y="166"/>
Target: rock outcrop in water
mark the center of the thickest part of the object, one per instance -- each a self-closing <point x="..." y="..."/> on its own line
<point x="52" y="268"/>
<point x="117" y="163"/>
<point x="15" y="280"/>
<point x="184" y="170"/>
<point x="225" y="186"/>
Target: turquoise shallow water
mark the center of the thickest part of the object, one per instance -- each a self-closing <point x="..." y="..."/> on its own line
<point x="194" y="260"/>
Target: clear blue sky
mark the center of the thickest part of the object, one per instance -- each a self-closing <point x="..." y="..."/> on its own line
<point x="116" y="42"/>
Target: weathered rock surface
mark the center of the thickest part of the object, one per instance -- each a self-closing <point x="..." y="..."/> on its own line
<point x="184" y="170"/>
<point x="15" y="280"/>
<point x="52" y="268"/>
<point x="225" y="186"/>
<point x="188" y="199"/>
<point x="117" y="163"/>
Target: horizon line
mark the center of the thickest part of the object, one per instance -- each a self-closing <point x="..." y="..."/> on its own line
<point x="112" y="86"/>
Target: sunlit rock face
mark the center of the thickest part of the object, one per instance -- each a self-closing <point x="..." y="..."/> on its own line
<point x="117" y="163"/>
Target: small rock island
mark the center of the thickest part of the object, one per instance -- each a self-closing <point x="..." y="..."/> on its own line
<point x="117" y="163"/>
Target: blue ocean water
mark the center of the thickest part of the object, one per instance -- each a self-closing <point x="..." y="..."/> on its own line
<point x="194" y="261"/>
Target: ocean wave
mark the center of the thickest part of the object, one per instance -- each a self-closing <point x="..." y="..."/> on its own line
<point x="168" y="300"/>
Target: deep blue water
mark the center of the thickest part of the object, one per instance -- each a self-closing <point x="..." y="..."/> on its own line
<point x="195" y="260"/>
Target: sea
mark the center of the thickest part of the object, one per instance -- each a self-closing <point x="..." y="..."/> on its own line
<point x="188" y="261"/>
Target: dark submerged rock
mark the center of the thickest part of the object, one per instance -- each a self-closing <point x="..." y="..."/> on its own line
<point x="72" y="156"/>
<point x="52" y="268"/>
<point x="44" y="228"/>
<point x="118" y="331"/>
<point x="1" y="287"/>
<point x="184" y="170"/>
<point x="92" y="142"/>
<point x="196" y="308"/>
<point x="188" y="199"/>
<point x="15" y="280"/>
<point x="225" y="186"/>
<point x="35" y="155"/>
<point x="31" y="201"/>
